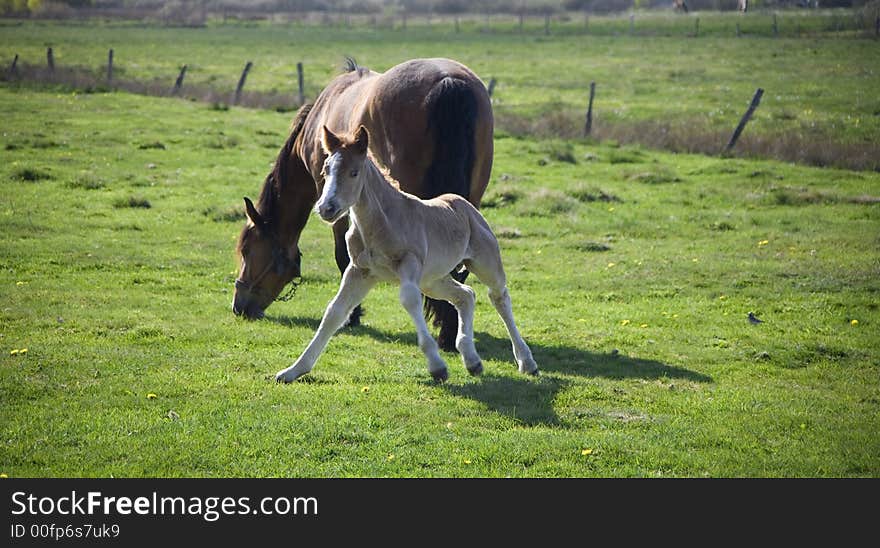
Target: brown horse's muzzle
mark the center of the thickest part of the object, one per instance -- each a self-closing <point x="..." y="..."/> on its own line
<point x="245" y="304"/>
<point x="251" y="300"/>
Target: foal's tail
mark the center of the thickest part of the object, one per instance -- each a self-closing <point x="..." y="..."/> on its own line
<point x="452" y="118"/>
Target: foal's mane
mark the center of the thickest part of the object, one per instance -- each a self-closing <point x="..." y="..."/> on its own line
<point x="383" y="170"/>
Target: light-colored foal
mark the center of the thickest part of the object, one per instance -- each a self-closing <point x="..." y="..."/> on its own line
<point x="395" y="236"/>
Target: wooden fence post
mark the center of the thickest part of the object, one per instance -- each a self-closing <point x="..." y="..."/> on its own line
<point x="632" y="23"/>
<point x="696" y="27"/>
<point x="520" y="22"/>
<point x="300" y="79"/>
<point x="756" y="100"/>
<point x="492" y="83"/>
<point x="588" y="127"/>
<point x="14" y="66"/>
<point x="50" y="60"/>
<point x="110" y="67"/>
<point x="775" y="26"/>
<point x="547" y="24"/>
<point x="457" y="27"/>
<point x="178" y="84"/>
<point x="877" y="27"/>
<point x="737" y="30"/>
<point x="241" y="81"/>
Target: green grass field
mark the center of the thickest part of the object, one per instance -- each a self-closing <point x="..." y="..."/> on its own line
<point x="632" y="273"/>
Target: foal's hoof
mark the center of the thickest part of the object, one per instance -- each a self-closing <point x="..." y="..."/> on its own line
<point x="535" y="373"/>
<point x="476" y="370"/>
<point x="440" y="375"/>
<point x="287" y="376"/>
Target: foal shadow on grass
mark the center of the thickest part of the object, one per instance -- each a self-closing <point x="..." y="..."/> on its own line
<point x="530" y="401"/>
<point x="527" y="400"/>
<point x="569" y="360"/>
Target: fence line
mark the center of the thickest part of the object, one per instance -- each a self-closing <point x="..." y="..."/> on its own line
<point x="650" y="133"/>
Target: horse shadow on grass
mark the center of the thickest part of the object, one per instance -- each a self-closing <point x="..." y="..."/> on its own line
<point x="527" y="400"/>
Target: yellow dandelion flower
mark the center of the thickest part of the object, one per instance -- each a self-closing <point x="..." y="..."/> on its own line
<point x="390" y="457"/>
<point x="467" y="461"/>
<point x="3" y="476"/>
<point x="644" y="325"/>
<point x="854" y="322"/>
<point x="695" y="260"/>
<point x="611" y="265"/>
<point x="624" y="322"/>
<point x="365" y="389"/>
<point x="762" y="243"/>
<point x="611" y="208"/>
<point x="151" y="396"/>
<point x="587" y="451"/>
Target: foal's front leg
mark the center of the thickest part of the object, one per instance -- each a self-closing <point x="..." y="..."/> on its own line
<point x="410" y="271"/>
<point x="356" y="283"/>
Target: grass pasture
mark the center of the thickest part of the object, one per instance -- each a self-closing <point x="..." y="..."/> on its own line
<point x="632" y="273"/>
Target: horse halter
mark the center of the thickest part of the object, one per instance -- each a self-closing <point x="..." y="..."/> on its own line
<point x="280" y="263"/>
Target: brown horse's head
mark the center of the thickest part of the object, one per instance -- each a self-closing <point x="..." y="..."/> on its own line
<point x="268" y="247"/>
<point x="267" y="265"/>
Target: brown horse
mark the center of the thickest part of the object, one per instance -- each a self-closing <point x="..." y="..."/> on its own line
<point x="432" y="125"/>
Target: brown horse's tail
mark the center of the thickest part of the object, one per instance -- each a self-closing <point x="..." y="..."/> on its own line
<point x="452" y="118"/>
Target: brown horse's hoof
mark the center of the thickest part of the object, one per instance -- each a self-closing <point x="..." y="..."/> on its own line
<point x="440" y="376"/>
<point x="476" y="370"/>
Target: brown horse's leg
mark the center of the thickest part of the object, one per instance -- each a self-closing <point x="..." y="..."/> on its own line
<point x="342" y="260"/>
<point x="446" y="317"/>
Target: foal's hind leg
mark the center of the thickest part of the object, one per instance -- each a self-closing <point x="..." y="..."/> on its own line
<point x="462" y="298"/>
<point x="489" y="270"/>
<point x="355" y="286"/>
<point x="409" y="271"/>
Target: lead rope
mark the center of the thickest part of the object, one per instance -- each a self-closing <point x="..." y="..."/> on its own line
<point x="291" y="291"/>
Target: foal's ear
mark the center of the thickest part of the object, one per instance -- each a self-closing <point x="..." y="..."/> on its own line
<point x="329" y="141"/>
<point x="362" y="139"/>
<point x="252" y="212"/>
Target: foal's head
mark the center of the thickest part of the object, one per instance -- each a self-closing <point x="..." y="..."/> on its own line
<point x="343" y="173"/>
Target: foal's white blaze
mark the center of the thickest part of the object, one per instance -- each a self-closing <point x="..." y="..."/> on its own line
<point x="331" y="168"/>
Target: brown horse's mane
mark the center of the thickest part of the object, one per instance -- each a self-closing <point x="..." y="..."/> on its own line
<point x="268" y="201"/>
<point x="267" y="204"/>
<point x="351" y="65"/>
